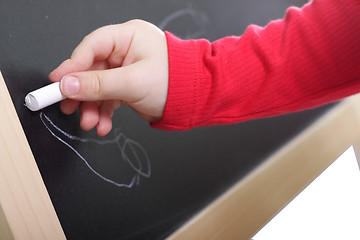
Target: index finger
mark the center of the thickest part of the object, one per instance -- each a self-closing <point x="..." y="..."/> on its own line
<point x="97" y="46"/>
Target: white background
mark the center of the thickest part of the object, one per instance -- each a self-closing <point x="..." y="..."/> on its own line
<point x="329" y="208"/>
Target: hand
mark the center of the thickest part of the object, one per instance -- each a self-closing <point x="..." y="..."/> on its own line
<point x="125" y="64"/>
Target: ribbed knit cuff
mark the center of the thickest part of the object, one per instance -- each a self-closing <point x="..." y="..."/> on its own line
<point x="182" y="91"/>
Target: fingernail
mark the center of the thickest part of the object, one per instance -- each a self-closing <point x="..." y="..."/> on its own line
<point x="70" y="85"/>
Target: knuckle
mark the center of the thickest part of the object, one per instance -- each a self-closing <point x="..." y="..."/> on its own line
<point x="87" y="39"/>
<point x="94" y="85"/>
<point x="136" y="22"/>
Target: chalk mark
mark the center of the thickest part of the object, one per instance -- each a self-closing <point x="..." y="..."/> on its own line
<point x="199" y="18"/>
<point x="144" y="171"/>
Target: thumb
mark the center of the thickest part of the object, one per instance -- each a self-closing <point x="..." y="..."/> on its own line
<point x="99" y="85"/>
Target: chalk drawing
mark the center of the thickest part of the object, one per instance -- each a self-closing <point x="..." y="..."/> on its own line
<point x="199" y="19"/>
<point x="140" y="165"/>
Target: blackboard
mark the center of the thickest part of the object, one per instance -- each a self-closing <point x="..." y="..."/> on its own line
<point x="137" y="182"/>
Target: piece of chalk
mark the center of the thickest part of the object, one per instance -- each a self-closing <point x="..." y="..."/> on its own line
<point x="44" y="97"/>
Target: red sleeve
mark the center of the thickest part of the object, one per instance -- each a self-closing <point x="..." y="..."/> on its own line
<point x="309" y="58"/>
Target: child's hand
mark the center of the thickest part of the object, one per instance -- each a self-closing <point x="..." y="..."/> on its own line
<point x="125" y="64"/>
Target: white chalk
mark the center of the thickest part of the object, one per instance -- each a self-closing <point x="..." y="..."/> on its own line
<point x="44" y="97"/>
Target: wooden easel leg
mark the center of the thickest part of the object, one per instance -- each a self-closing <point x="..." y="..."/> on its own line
<point x="357" y="152"/>
<point x="356" y="145"/>
<point x="5" y="230"/>
<point x="26" y="210"/>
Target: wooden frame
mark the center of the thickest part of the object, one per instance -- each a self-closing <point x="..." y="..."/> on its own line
<point x="243" y="210"/>
<point x="26" y="211"/>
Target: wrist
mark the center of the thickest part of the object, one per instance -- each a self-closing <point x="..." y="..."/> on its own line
<point x="179" y="111"/>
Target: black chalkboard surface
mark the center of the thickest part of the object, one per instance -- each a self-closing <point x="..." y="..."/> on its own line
<point x="137" y="182"/>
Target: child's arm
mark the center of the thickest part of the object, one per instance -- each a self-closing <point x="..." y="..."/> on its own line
<point x="309" y="58"/>
<point x="123" y="64"/>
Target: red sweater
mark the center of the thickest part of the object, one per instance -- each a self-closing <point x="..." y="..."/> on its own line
<point x="309" y="58"/>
